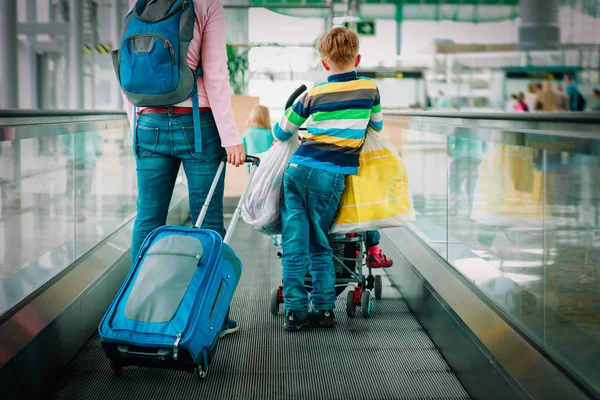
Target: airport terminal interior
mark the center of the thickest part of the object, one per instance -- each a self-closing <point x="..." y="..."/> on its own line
<point x="494" y="292"/>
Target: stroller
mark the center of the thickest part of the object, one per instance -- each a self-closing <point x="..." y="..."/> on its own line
<point x="349" y="258"/>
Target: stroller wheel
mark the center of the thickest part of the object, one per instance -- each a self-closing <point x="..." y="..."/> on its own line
<point x="366" y="304"/>
<point x="378" y="287"/>
<point x="350" y="310"/>
<point x="274" y="301"/>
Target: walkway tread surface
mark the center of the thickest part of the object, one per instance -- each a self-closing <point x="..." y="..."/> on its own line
<point x="388" y="356"/>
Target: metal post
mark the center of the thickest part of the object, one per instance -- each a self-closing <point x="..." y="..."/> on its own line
<point x="32" y="17"/>
<point x="399" y="18"/>
<point x="117" y="19"/>
<point x="9" y="90"/>
<point x="329" y="17"/>
<point x="540" y="28"/>
<point x="76" y="55"/>
<point x="9" y="78"/>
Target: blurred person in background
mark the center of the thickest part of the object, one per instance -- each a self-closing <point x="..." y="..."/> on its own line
<point x="546" y="100"/>
<point x="511" y="104"/>
<point x="576" y="100"/>
<point x="258" y="136"/>
<point x="563" y="99"/>
<point x="82" y="153"/>
<point x="521" y="105"/>
<point x="529" y="97"/>
<point x="442" y="100"/>
<point x="594" y="105"/>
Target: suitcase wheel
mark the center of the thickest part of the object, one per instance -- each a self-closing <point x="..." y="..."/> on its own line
<point x="200" y="372"/>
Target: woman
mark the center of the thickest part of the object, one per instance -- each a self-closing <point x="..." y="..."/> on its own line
<point x="165" y="138"/>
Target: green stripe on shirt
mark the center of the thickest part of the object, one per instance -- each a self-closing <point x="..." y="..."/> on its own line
<point x="341" y="114"/>
<point x="293" y="117"/>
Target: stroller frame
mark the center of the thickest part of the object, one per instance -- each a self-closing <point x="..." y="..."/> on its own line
<point x="349" y="261"/>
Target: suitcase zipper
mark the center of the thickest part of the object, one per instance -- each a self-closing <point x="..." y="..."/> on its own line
<point x="191" y="323"/>
<point x="176" y="346"/>
<point x="167" y="253"/>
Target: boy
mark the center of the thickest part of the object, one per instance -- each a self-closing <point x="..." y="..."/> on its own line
<point x="340" y="111"/>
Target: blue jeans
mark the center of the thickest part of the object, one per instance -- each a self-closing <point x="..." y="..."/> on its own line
<point x="373" y="238"/>
<point x="164" y="142"/>
<point x="309" y="203"/>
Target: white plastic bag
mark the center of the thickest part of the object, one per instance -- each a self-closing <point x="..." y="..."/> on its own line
<point x="261" y="206"/>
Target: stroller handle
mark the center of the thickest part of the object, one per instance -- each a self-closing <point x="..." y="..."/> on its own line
<point x="294" y="96"/>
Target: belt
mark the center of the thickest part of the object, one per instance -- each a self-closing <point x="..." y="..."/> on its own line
<point x="174" y="110"/>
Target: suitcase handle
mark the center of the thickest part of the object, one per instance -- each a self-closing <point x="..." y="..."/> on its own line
<point x="249" y="160"/>
<point x="161" y="354"/>
<point x="255" y="161"/>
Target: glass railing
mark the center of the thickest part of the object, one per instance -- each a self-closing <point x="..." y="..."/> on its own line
<point x="513" y="205"/>
<point x="67" y="182"/>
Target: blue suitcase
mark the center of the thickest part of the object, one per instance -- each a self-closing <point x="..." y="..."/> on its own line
<point x="170" y="310"/>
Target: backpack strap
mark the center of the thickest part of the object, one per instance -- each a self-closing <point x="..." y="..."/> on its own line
<point x="196" y="111"/>
<point x="134" y="130"/>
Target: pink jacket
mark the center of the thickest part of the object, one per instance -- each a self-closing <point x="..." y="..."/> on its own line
<point x="213" y="86"/>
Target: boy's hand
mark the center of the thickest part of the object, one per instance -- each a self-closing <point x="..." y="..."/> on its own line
<point x="236" y="155"/>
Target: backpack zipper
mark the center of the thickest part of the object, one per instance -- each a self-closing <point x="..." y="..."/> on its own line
<point x="168" y="44"/>
<point x="184" y="5"/>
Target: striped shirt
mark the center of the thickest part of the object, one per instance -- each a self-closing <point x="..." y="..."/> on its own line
<point x="338" y="113"/>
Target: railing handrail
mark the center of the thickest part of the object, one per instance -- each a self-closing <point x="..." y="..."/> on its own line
<point x="573" y="117"/>
<point x="22" y="113"/>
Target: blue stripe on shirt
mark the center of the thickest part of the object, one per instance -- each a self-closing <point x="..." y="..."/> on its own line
<point x="341" y="159"/>
<point x="299" y="109"/>
<point x="323" y="165"/>
<point x="361" y="104"/>
<point x="341" y="133"/>
<point x="376" y="125"/>
<point x="280" y="134"/>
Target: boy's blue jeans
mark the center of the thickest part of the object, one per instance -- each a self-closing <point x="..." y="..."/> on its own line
<point x="373" y="238"/>
<point x="164" y="142"/>
<point x="308" y="206"/>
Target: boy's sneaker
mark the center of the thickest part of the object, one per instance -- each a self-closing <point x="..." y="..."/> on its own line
<point x="230" y="327"/>
<point x="293" y="323"/>
<point x="325" y="319"/>
<point x="376" y="258"/>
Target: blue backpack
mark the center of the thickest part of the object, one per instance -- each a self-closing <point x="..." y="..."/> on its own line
<point x="151" y="63"/>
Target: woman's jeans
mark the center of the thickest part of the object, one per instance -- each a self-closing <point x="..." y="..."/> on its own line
<point x="309" y="203"/>
<point x="162" y="143"/>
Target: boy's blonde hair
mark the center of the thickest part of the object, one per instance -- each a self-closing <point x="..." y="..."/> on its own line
<point x="339" y="46"/>
<point x="259" y="117"/>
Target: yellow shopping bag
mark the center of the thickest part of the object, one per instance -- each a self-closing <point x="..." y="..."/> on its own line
<point x="509" y="188"/>
<point x="378" y="197"/>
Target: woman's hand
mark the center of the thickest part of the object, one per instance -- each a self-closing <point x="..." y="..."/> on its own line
<point x="236" y="155"/>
